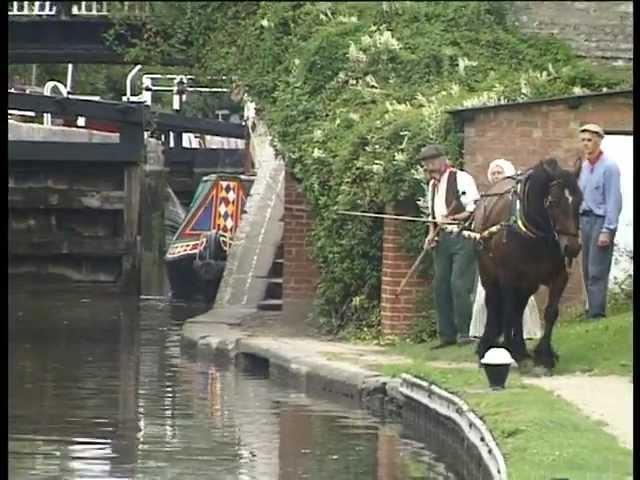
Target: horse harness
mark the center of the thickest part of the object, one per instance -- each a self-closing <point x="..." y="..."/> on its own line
<point x="517" y="221"/>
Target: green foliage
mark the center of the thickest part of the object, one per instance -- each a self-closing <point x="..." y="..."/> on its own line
<point x="366" y="331"/>
<point x="351" y="91"/>
<point x="621" y="294"/>
<point x="621" y="297"/>
<point x="425" y="327"/>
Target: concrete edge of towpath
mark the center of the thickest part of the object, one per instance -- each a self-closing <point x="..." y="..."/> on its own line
<point x="312" y="373"/>
<point x="204" y="339"/>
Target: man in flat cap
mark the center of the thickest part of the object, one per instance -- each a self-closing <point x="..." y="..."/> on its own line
<point x="599" y="180"/>
<point x="452" y="195"/>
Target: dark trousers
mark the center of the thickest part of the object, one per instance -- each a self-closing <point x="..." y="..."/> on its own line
<point x="455" y="273"/>
<point x="596" y="264"/>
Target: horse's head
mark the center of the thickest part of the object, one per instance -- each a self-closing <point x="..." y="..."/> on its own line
<point x="563" y="206"/>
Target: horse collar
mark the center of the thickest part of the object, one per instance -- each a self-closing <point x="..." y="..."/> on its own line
<point x="519" y="196"/>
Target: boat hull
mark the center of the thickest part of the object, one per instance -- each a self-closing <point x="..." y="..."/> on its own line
<point x="188" y="282"/>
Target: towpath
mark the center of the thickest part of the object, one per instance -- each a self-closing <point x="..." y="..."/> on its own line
<point x="608" y="399"/>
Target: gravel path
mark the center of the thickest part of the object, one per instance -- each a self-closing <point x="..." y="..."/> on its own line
<point x="608" y="399"/>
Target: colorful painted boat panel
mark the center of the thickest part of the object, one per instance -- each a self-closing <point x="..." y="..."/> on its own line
<point x="217" y="206"/>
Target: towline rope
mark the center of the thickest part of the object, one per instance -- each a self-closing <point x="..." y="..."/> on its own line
<point x="398" y="217"/>
<point x="450" y="226"/>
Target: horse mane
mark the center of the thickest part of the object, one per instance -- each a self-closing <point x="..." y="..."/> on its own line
<point x="551" y="170"/>
<point x="568" y="178"/>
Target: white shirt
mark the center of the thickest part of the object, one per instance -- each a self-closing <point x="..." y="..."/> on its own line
<point x="467" y="192"/>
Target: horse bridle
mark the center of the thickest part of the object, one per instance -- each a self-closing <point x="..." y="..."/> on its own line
<point x="549" y="202"/>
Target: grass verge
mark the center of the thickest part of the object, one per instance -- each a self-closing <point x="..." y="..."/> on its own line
<point x="541" y="435"/>
<point x="600" y="348"/>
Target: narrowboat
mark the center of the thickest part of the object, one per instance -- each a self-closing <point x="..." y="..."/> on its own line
<point x="197" y="255"/>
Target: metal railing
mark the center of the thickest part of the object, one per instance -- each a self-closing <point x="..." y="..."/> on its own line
<point x="90" y="9"/>
<point x="80" y="9"/>
<point x="32" y="8"/>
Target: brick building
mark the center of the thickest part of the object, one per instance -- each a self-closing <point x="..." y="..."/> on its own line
<point x="527" y="132"/>
<point x="523" y="133"/>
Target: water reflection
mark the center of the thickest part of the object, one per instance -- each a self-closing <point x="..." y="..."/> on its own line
<point x="98" y="389"/>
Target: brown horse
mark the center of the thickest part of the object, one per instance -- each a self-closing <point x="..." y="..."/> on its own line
<point x="535" y="216"/>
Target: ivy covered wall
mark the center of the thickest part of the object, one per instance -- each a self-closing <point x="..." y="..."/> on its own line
<point x="352" y="91"/>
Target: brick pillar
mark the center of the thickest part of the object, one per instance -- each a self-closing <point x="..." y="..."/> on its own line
<point x="300" y="272"/>
<point x="398" y="313"/>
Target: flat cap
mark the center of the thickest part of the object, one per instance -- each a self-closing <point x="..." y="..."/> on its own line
<point x="592" y="128"/>
<point x="431" y="151"/>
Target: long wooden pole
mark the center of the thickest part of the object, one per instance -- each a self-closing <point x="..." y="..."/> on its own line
<point x="411" y="270"/>
<point x="398" y="217"/>
<point x="424" y="250"/>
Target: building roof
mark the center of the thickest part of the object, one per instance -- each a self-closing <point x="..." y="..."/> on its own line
<point x="569" y="98"/>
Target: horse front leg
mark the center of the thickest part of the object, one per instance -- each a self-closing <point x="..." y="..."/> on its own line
<point x="543" y="353"/>
<point x="493" y="328"/>
<point x="515" y="302"/>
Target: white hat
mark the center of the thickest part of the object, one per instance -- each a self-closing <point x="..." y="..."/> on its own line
<point x="592" y="128"/>
<point x="506" y="165"/>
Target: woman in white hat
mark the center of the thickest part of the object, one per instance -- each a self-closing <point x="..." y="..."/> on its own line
<point x="531" y="328"/>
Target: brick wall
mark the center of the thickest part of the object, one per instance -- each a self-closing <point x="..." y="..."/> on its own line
<point x="527" y="133"/>
<point x="300" y="272"/>
<point x="398" y="313"/>
<point x="600" y="31"/>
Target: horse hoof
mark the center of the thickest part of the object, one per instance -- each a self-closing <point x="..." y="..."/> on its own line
<point x="525" y="365"/>
<point x="538" y="371"/>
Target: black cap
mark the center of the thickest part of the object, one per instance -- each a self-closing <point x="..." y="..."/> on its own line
<point x="431" y="151"/>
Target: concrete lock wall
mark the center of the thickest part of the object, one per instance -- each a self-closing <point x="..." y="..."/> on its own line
<point x="256" y="241"/>
<point x="46" y="221"/>
<point x="35" y="132"/>
<point x="527" y="133"/>
<point x="154" y="197"/>
<point x="73" y="221"/>
<point x="276" y="211"/>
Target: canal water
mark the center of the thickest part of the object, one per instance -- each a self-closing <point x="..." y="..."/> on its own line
<point x="98" y="389"/>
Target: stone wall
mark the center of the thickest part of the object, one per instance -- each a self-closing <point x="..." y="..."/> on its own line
<point x="527" y="133"/>
<point x="597" y="30"/>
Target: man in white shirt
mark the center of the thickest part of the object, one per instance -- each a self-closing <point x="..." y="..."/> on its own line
<point x="452" y="196"/>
